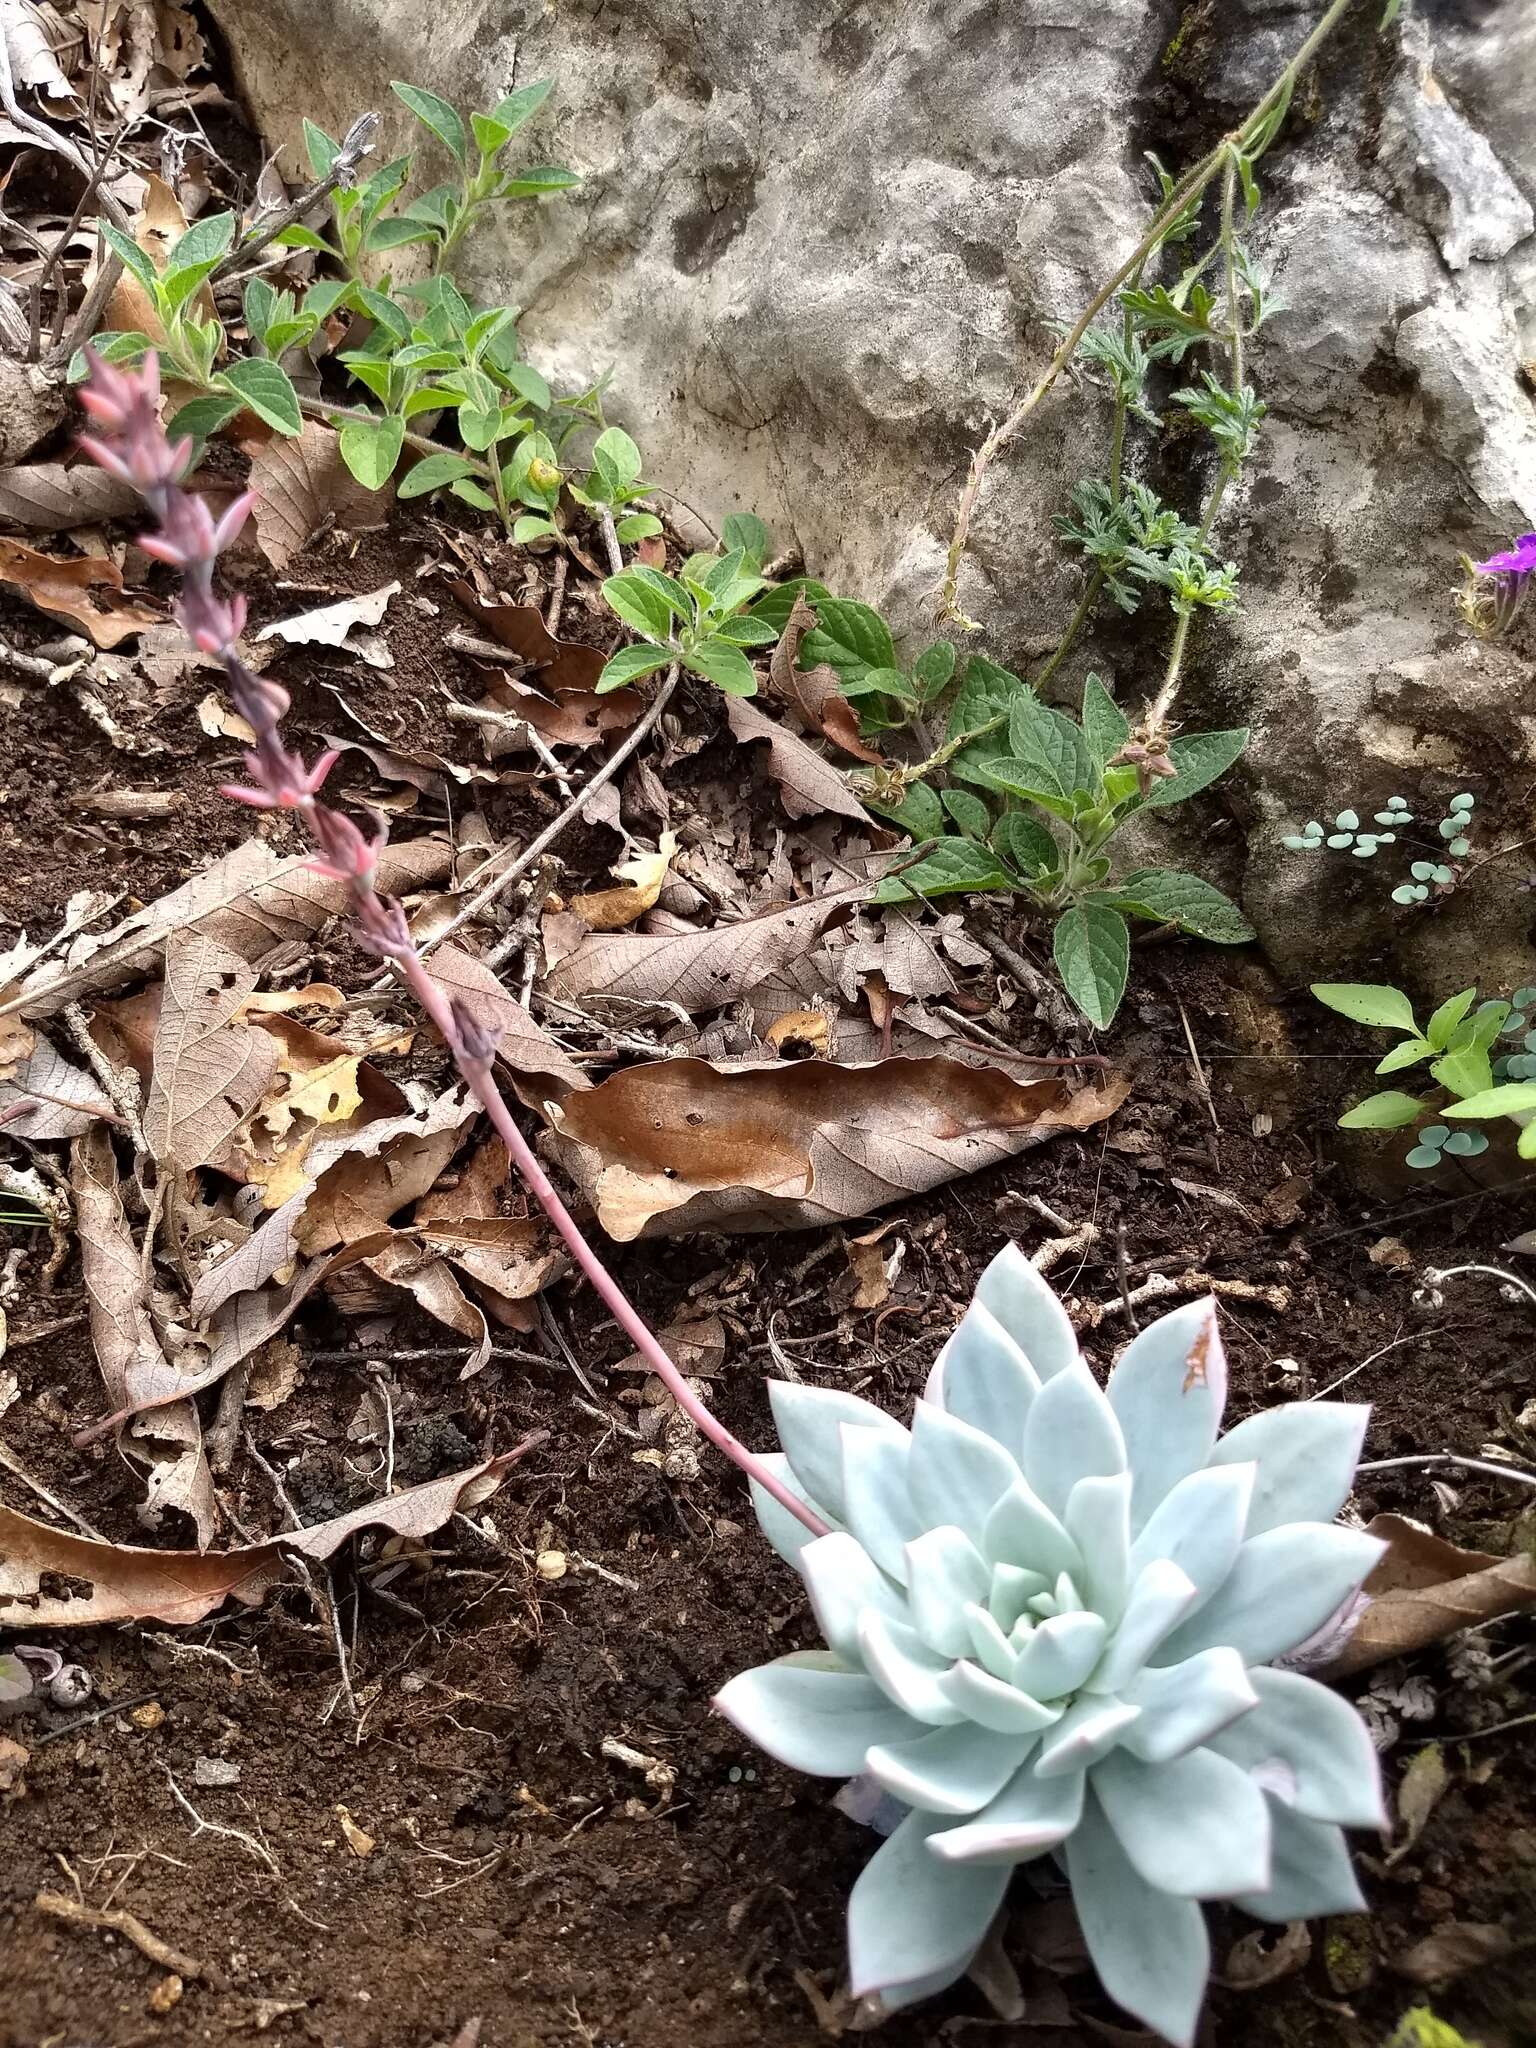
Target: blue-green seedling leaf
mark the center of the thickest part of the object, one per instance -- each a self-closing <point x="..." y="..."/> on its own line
<point x="268" y="390"/>
<point x="1442" y="1025"/>
<point x="955" y="867"/>
<point x="851" y="636"/>
<point x="1465" y="1144"/>
<point x="1422" y="1156"/>
<point x="723" y="665"/>
<point x="201" y="417"/>
<point x="1091" y="946"/>
<point x="538" y="179"/>
<point x="1510" y="1098"/>
<point x="371" y="451"/>
<point x="968" y="812"/>
<point x="629" y="664"/>
<point x="1198" y="758"/>
<point x="1388" y="1111"/>
<point x="432" y="473"/>
<point x="436" y="114"/>
<point x="1026" y="845"/>
<point x="1105" y="725"/>
<point x="744" y="530"/>
<point x="1409" y="892"/>
<point x="1169" y="896"/>
<point x="640" y="604"/>
<point x="1373" y="1003"/>
<point x="320" y="148"/>
<point x="520" y="107"/>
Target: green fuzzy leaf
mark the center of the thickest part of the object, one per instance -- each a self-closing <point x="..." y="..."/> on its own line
<point x="1028" y="781"/>
<point x="372" y="451"/>
<point x="968" y="812"/>
<point x="745" y="631"/>
<point x="985" y="693"/>
<point x="323" y="298"/>
<point x="538" y="179"/>
<point x="1442" y="1025"/>
<point x="955" y="867"/>
<point x="744" y="530"/>
<point x="630" y="663"/>
<point x="775" y="605"/>
<point x="436" y="114"/>
<point x="1391" y="1110"/>
<point x="529" y="526"/>
<point x="1025" y="844"/>
<point x="119" y="346"/>
<point x="133" y="257"/>
<point x="520" y="107"/>
<point x="470" y="493"/>
<point x="1168" y="895"/>
<point x="851" y="636"/>
<point x="1406" y="1053"/>
<point x="1105" y="726"/>
<point x="394" y="234"/>
<point x="1091" y="946"/>
<point x="320" y="148"/>
<point x="1049" y="745"/>
<point x="616" y="459"/>
<point x="933" y="669"/>
<point x="525" y="380"/>
<point x="879" y="682"/>
<point x="202" y="244"/>
<point x="479" y="429"/>
<point x="641" y="526"/>
<point x="201" y="417"/>
<point x="383" y="310"/>
<point x="639" y="604"/>
<point x="302" y="238"/>
<point x="723" y="665"/>
<point x="919" y="813"/>
<point x="268" y="390"/>
<point x="1198" y="758"/>
<point x="1366" y="1002"/>
<point x="432" y="473"/>
<point x="489" y="133"/>
<point x="435" y="208"/>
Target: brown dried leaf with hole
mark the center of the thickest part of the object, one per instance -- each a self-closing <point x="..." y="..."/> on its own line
<point x="303" y="487"/>
<point x="250" y="901"/>
<point x="561" y="664"/>
<point x="107" y="1582"/>
<point x="52" y="1098"/>
<point x="641" y="877"/>
<point x="45" y="497"/>
<point x="70" y="589"/>
<point x="208" y="1072"/>
<point x="816" y="694"/>
<point x="696" y="970"/>
<point x="800" y="1034"/>
<point x="1425" y="1589"/>
<point x="808" y="785"/>
<point x="687" y="1144"/>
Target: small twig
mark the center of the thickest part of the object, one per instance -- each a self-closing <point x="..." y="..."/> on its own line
<point x="557" y="595"/>
<point x="1056" y="1249"/>
<point x="498" y="885"/>
<point x="1515" y="1473"/>
<point x="611" y="541"/>
<point x="62" y="242"/>
<point x="88" y="319"/>
<point x="1051" y="1005"/>
<point x="212" y="1827"/>
<point x="355" y="145"/>
<point x="102" y="1713"/>
<point x="121" y="1089"/>
<point x="1202" y="1082"/>
<point x="496" y="720"/>
<point x="1158" y="1285"/>
<point x="12" y="1463"/>
<point x="118" y="1920"/>
<point x="423" y="1354"/>
<point x="462" y="641"/>
<point x="1122" y="1280"/>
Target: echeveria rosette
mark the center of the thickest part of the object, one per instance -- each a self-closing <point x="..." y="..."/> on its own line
<point x="1050" y="1609"/>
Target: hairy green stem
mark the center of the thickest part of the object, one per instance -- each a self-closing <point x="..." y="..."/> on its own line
<point x="1162" y="704"/>
<point x="1229" y="252"/>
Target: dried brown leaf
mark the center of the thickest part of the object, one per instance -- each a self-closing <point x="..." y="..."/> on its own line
<point x="249" y="901"/>
<point x="268" y="1249"/>
<point x="1425" y="1589"/>
<point x="1451" y="1950"/>
<point x="332" y="625"/>
<point x="302" y="486"/>
<point x="566" y="718"/>
<point x="561" y="664"/>
<point x="1264" y="1956"/>
<point x="53" y="1099"/>
<point x="422" y="1273"/>
<point x="688" y="1144"/>
<point x="641" y="879"/>
<point x="69" y="589"/>
<point x="105" y="1582"/>
<point x="808" y="785"/>
<point x="364" y="1176"/>
<point x="46" y="497"/>
<point x="523" y="1046"/>
<point x="696" y="970"/>
<point x="816" y="694"/>
<point x="208" y="1073"/>
<point x="1423" y="1785"/>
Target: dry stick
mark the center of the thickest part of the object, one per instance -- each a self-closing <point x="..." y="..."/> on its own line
<point x="1515" y="1473"/>
<point x="1190" y="187"/>
<point x="50" y="263"/>
<point x="356" y="144"/>
<point x="499" y="884"/>
<point x="118" y="1920"/>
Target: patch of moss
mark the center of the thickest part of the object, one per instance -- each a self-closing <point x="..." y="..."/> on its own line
<point x="1419" y="2028"/>
<point x="1348" y="1955"/>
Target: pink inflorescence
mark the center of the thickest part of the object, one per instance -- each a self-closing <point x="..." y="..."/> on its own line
<point x="1518" y="561"/>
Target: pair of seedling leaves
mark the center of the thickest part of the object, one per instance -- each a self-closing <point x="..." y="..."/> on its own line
<point x="1457" y="1042"/>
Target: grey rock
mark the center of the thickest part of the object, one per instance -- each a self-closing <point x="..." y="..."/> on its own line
<point x="823" y="249"/>
<point x="31" y="408"/>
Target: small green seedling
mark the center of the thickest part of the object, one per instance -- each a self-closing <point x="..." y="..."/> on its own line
<point x="1457" y="1042"/>
<point x="613" y="484"/>
<point x="698" y="618"/>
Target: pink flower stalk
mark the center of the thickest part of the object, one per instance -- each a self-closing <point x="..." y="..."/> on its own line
<point x="132" y="445"/>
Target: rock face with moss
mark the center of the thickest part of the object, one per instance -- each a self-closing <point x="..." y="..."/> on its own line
<point x="821" y="249"/>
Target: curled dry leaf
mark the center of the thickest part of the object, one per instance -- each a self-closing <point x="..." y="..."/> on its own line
<point x="303" y="487"/>
<point x="510" y="1259"/>
<point x="816" y="694"/>
<point x="249" y="901"/>
<point x="1264" y="1957"/>
<point x="208" y="1073"/>
<point x="696" y="970"/>
<point x="808" y="785"/>
<point x="1425" y="1589"/>
<point x="80" y="589"/>
<point x="687" y="1144"/>
<point x="609" y="910"/>
<point x="800" y="1034"/>
<point x="46" y="497"/>
<point x="561" y="664"/>
<point x="105" y="1582"/>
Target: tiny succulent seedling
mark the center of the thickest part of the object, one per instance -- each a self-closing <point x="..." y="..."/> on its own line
<point x="699" y="617"/>
<point x="1348" y="835"/>
<point x="1044" y="797"/>
<point x="1052" y="1614"/>
<point x="1457" y="1042"/>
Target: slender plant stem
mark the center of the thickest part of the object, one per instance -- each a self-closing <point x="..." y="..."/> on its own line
<point x="1229" y="252"/>
<point x="1162" y="704"/>
<point x="1074" y="626"/>
<point x="1190" y="186"/>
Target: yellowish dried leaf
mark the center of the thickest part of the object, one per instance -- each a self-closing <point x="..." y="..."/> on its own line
<point x="609" y="910"/>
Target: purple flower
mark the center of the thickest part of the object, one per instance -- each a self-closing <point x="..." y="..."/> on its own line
<point x="1518" y="561"/>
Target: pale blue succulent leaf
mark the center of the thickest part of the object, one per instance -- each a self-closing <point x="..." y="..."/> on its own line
<point x="988" y="1645"/>
<point x="1199" y="1526"/>
<point x="1197" y="1826"/>
<point x="786" y="1532"/>
<point x="877" y="1505"/>
<point x="842" y="1580"/>
<point x="809" y="1420"/>
<point x="1059" y="1655"/>
<point x="1098" y="1518"/>
<point x="1151" y="1950"/>
<point x="1184" y="1705"/>
<point x="982" y="1377"/>
<point x="1309" y="1750"/>
<point x="906" y="1670"/>
<point x="1168" y="1391"/>
<point x="1026" y="1305"/>
<point x="1072" y="1434"/>
<point x="945" y="1573"/>
<point x="953" y="1771"/>
<point x="1029" y="1816"/>
<point x="1283" y="1587"/>
<point x="911" y="1916"/>
<point x="1021" y="1530"/>
<point x="993" y="1703"/>
<point x="955" y="1473"/>
<point x="813" y="1714"/>
<point x="1012" y="1589"/>
<point x="1090" y="1728"/>
<point x="1160" y="1597"/>
<point x="1306" y="1453"/>
<point x="1311" y="1871"/>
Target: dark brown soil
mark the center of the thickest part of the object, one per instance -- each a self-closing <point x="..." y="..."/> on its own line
<point x="517" y="1871"/>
